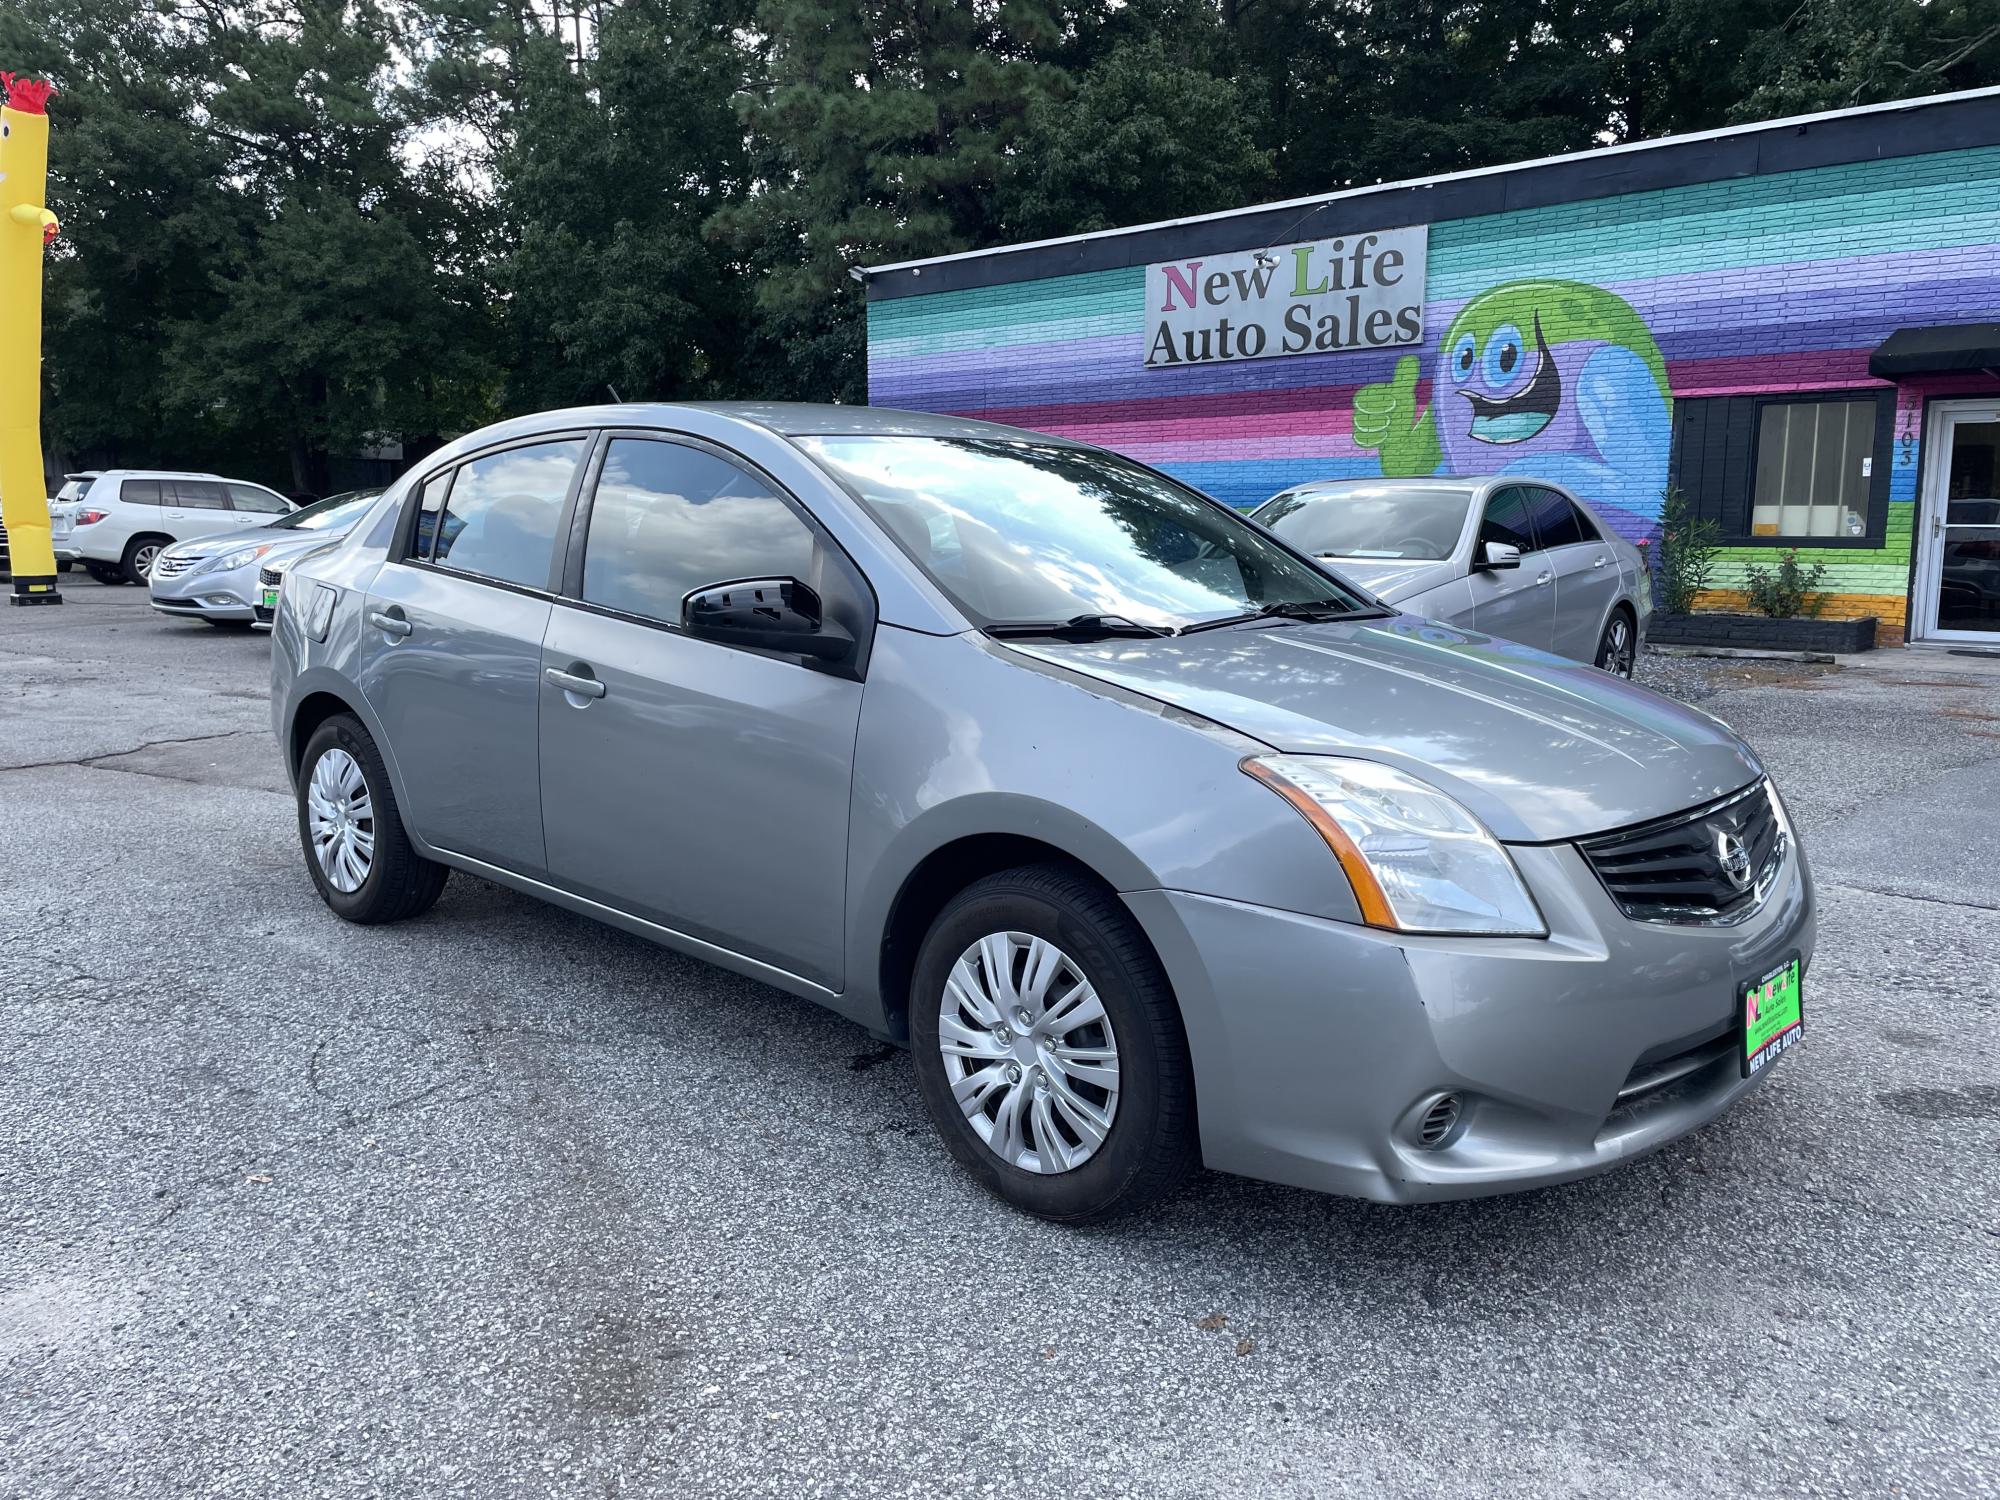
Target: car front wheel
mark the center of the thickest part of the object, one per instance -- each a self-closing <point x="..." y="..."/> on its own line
<point x="1049" y="1049"/>
<point x="356" y="849"/>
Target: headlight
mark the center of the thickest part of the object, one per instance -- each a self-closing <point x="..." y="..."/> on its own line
<point x="1417" y="860"/>
<point x="242" y="557"/>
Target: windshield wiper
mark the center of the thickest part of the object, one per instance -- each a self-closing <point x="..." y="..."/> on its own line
<point x="1075" y="628"/>
<point x="1290" y="609"/>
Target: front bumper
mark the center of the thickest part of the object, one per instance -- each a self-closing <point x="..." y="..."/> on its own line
<point x="199" y="596"/>
<point x="1317" y="1044"/>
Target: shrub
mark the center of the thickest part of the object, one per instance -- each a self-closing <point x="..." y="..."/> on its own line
<point x="1685" y="555"/>
<point x="1787" y="592"/>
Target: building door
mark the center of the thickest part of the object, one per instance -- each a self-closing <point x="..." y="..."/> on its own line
<point x="1958" y="537"/>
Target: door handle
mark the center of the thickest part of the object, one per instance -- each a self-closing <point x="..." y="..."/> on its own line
<point x="389" y="624"/>
<point x="1601" y="561"/>
<point x="570" y="682"/>
<point x="1542" y="581"/>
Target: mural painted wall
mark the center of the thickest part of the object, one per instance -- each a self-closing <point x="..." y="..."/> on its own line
<point x="1612" y="309"/>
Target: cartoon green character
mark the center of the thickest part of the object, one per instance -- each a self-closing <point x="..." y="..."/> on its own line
<point x="1549" y="380"/>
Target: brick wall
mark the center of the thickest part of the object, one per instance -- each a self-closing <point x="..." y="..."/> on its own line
<point x="1764" y="284"/>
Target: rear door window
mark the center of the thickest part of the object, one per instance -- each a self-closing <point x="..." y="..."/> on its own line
<point x="1555" y="519"/>
<point x="198" y="494"/>
<point x="500" y="519"/>
<point x="669" y="519"/>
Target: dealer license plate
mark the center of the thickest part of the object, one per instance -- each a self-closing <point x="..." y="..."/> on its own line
<point x="270" y="598"/>
<point x="1773" y="1016"/>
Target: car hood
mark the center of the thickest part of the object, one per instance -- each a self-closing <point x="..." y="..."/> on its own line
<point x="1390" y="579"/>
<point x="1541" y="748"/>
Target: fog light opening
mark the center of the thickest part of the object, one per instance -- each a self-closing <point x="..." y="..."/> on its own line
<point x="1438" y="1122"/>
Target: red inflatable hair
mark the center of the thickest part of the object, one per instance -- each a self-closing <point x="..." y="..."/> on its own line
<point x="29" y="95"/>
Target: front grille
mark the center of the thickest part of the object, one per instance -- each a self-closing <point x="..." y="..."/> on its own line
<point x="1678" y="869"/>
<point x="270" y="578"/>
<point x="172" y="567"/>
<point x="192" y="605"/>
<point x="1649" y="1078"/>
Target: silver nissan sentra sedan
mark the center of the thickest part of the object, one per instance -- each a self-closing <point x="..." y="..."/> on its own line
<point x="1156" y="843"/>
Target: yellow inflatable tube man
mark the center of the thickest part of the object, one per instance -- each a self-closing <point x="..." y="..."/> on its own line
<point x="25" y="226"/>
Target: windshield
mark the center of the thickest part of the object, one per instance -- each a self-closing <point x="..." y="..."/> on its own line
<point x="1018" y="532"/>
<point x="336" y="511"/>
<point x="1417" y="525"/>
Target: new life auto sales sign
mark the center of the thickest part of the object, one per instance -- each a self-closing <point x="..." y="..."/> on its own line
<point x="1360" y="291"/>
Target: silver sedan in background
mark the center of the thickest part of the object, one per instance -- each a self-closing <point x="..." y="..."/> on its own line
<point x="214" y="578"/>
<point x="1504" y="556"/>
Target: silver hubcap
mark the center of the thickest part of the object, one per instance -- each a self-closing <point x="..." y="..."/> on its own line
<point x="1617" y="652"/>
<point x="143" y="560"/>
<point x="340" y="816"/>
<point x="1029" y="1052"/>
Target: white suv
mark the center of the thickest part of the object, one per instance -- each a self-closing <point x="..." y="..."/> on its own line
<point x="126" y="516"/>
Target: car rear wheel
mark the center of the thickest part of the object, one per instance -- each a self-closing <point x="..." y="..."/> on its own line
<point x="1618" y="647"/>
<point x="356" y="849"/>
<point x="105" y="572"/>
<point x="139" y="555"/>
<point x="1049" y="1049"/>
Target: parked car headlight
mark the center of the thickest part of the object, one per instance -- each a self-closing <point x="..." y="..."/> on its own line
<point x="242" y="557"/>
<point x="1418" y="861"/>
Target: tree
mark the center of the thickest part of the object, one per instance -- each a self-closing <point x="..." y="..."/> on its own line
<point x="1147" y="135"/>
<point x="337" y="323"/>
<point x="883" y="130"/>
<point x="607" y="179"/>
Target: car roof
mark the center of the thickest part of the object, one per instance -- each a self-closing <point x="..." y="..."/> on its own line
<point x="804" y="419"/>
<point x="170" y="474"/>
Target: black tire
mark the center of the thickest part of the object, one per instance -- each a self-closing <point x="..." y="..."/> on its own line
<point x="1618" y="653"/>
<point x="141" y="550"/>
<point x="62" y="565"/>
<point x="106" y="573"/>
<point x="400" y="882"/>
<point x="1152" y="1144"/>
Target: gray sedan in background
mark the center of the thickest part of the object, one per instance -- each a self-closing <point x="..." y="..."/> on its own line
<point x="1156" y="843"/>
<point x="1516" y="558"/>
<point x="215" y="578"/>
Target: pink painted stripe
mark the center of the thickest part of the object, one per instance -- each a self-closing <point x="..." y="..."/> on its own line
<point x="1749" y="374"/>
<point x="1226" y="450"/>
<point x="1331" y="422"/>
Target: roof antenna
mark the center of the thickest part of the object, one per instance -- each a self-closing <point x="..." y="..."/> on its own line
<point x="614" y="393"/>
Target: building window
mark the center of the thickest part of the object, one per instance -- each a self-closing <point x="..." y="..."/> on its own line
<point x="1814" y="461"/>
<point x="1781" y="470"/>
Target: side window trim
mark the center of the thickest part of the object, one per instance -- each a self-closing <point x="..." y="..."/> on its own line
<point x="402" y="547"/>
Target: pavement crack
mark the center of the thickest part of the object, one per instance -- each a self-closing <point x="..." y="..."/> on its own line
<point x="1870" y="890"/>
<point x="91" y="762"/>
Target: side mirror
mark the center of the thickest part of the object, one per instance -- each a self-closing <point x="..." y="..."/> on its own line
<point x="1496" y="556"/>
<point x="769" y="614"/>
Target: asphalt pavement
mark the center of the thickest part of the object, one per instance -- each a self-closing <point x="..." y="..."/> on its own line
<point x="500" y="1202"/>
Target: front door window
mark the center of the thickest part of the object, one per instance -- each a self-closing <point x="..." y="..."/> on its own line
<point x="1968" y="595"/>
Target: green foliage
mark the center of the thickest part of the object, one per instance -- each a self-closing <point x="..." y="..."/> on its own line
<point x="1788" y="591"/>
<point x="1685" y="555"/>
<point x="1146" y="135"/>
<point x="292" y="227"/>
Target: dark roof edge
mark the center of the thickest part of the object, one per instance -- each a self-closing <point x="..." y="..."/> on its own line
<point x="1875" y="132"/>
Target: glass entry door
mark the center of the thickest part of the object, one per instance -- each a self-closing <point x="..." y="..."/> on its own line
<point x="1959" y="563"/>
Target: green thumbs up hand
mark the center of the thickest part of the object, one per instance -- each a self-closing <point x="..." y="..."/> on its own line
<point x="1385" y="418"/>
